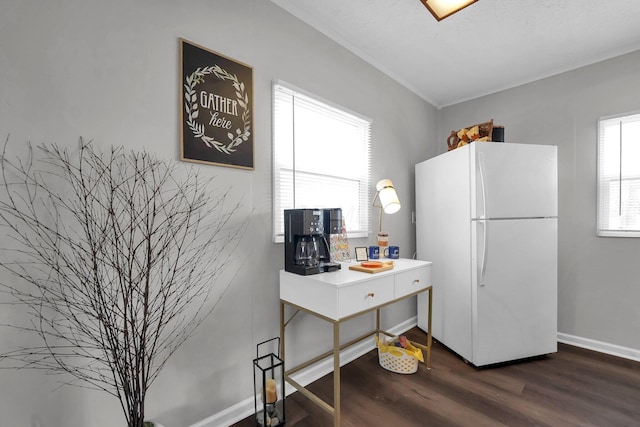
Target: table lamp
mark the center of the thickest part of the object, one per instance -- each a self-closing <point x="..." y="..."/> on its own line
<point x="389" y="202"/>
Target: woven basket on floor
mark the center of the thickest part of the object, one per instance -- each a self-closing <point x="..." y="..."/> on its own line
<point x="400" y="363"/>
<point x="398" y="359"/>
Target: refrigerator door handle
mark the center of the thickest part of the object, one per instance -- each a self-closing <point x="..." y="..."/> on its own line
<point x="485" y="248"/>
<point x="482" y="185"/>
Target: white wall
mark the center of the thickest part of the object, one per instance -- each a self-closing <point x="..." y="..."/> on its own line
<point x="598" y="277"/>
<point x="109" y="71"/>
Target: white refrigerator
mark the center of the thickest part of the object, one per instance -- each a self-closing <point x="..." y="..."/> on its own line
<point x="486" y="216"/>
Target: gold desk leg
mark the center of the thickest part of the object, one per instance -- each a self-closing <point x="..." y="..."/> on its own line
<point x="282" y="331"/>
<point x="429" y="340"/>
<point x="336" y="374"/>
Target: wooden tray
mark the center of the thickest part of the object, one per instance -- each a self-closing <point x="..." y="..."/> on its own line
<point x="388" y="265"/>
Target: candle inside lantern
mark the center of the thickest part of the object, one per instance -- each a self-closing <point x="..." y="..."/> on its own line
<point x="270" y="394"/>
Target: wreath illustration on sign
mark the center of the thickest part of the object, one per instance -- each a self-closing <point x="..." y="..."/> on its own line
<point x="192" y="108"/>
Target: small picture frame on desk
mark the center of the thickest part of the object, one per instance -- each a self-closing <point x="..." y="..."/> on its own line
<point x="362" y="254"/>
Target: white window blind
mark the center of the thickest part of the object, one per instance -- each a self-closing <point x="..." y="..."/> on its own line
<point x="619" y="176"/>
<point x="321" y="159"/>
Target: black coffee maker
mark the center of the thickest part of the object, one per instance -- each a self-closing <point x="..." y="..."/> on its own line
<point x="305" y="248"/>
<point x="303" y="235"/>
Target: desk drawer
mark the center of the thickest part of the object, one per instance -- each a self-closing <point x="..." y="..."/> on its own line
<point x="408" y="282"/>
<point x="364" y="295"/>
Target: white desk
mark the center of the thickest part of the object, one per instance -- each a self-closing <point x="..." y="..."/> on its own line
<point x="344" y="294"/>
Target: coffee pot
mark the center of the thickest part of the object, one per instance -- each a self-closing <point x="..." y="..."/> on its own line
<point x="307" y="251"/>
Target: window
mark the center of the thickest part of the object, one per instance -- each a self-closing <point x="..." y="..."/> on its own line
<point x="619" y="176"/>
<point x="321" y="158"/>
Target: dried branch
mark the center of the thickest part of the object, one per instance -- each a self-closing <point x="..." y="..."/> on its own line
<point x="113" y="256"/>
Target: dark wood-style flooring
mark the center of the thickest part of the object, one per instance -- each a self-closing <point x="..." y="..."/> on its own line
<point x="573" y="387"/>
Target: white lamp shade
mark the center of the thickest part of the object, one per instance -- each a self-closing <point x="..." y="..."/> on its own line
<point x="388" y="196"/>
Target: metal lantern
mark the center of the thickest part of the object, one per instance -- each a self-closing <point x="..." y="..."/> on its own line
<point x="268" y="385"/>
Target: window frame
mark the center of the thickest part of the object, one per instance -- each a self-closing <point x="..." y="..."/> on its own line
<point x="601" y="231"/>
<point x="363" y="209"/>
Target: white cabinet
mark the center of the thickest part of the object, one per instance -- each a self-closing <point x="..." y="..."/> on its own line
<point x="345" y="292"/>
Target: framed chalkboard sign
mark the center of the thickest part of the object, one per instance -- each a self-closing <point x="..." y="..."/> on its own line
<point x="216" y="108"/>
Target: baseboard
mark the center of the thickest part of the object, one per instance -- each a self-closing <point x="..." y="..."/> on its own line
<point x="245" y="408"/>
<point x="602" y="347"/>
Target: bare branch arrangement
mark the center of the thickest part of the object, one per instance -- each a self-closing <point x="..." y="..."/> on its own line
<point x="114" y="256"/>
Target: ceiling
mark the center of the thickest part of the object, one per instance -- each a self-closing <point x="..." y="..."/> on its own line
<point x="489" y="46"/>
